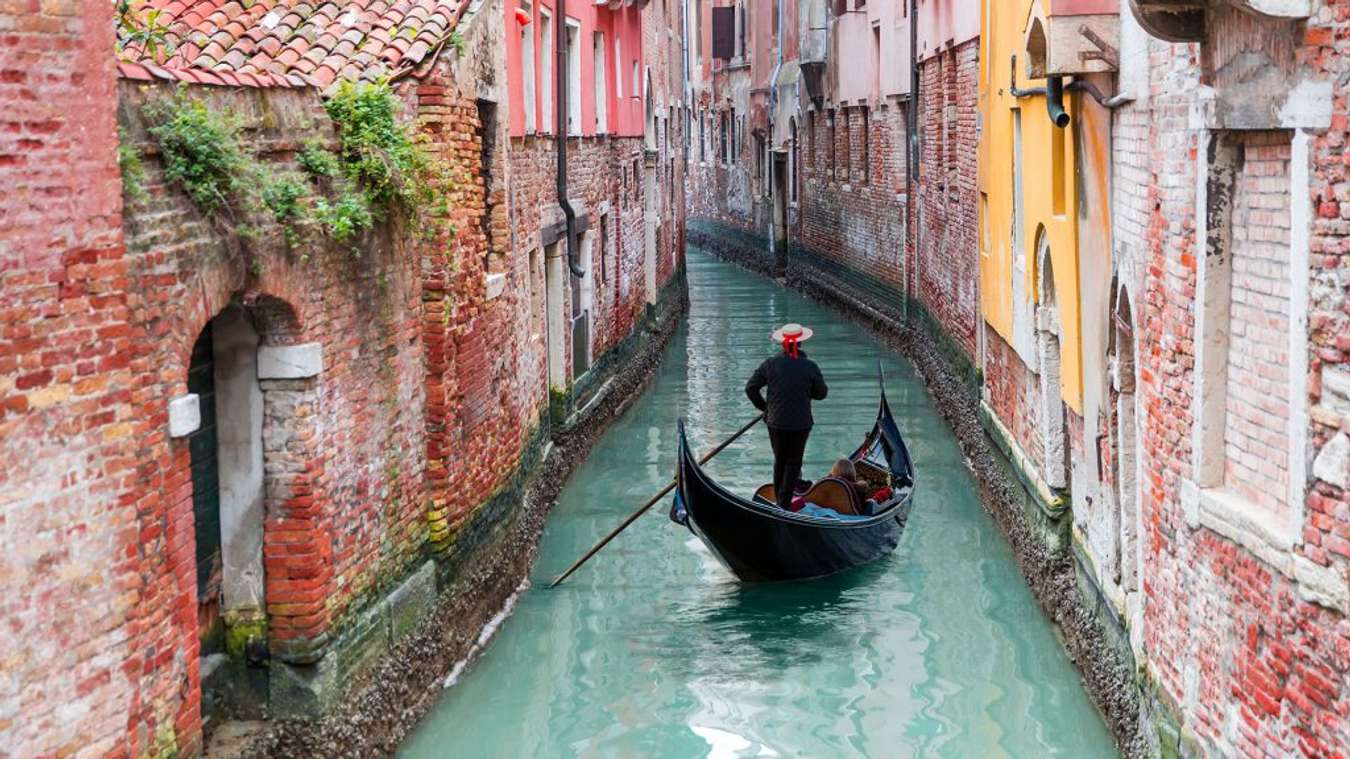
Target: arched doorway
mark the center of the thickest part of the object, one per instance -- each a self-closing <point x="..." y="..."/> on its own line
<point x="1055" y="468"/>
<point x="255" y="389"/>
<point x="226" y="453"/>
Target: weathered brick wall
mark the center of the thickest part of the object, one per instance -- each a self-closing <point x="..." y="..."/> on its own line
<point x="946" y="271"/>
<point x="858" y="221"/>
<point x="1251" y="663"/>
<point x="604" y="178"/>
<point x="343" y="451"/>
<point x="1013" y="392"/>
<point x="70" y="478"/>
<point x="481" y="411"/>
<point x="1256" y="430"/>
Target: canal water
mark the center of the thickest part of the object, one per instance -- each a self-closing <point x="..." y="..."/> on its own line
<point x="653" y="650"/>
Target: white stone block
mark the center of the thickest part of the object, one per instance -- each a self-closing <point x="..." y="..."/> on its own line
<point x="496" y="283"/>
<point x="290" y="361"/>
<point x="185" y="415"/>
<point x="1332" y="464"/>
<point x="1325" y="586"/>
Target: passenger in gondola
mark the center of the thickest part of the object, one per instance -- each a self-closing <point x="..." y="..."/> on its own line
<point x="844" y="471"/>
<point x="793" y="381"/>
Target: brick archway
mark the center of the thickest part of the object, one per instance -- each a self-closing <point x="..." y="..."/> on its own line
<point x="262" y="543"/>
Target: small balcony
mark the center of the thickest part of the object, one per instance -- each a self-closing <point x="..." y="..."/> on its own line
<point x="1186" y="20"/>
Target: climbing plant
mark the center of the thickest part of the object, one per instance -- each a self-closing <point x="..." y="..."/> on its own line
<point x="379" y="170"/>
<point x="143" y="29"/>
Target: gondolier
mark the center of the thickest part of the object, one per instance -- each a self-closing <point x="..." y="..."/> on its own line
<point x="793" y="381"/>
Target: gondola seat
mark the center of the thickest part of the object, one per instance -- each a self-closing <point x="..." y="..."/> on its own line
<point x="831" y="493"/>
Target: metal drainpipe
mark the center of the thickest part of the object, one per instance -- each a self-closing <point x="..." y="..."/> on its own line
<point x="911" y="215"/>
<point x="560" y="138"/>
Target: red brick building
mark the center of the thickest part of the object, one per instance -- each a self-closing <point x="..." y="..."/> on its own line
<point x="1231" y="258"/>
<point x="239" y="459"/>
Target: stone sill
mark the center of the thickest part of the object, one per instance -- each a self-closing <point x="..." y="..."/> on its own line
<point x="1267" y="536"/>
<point x="1053" y="505"/>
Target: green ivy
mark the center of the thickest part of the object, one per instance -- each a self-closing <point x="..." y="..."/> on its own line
<point x="379" y="169"/>
<point x="345" y="218"/>
<point x="133" y="171"/>
<point x="384" y="159"/>
<point x="317" y="161"/>
<point x="201" y="152"/>
<point x="285" y="197"/>
<point x="142" y="27"/>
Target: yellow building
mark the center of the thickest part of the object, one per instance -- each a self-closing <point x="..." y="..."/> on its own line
<point x="1045" y="217"/>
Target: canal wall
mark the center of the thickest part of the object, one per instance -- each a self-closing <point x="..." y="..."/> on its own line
<point x="1036" y="526"/>
<point x="491" y="557"/>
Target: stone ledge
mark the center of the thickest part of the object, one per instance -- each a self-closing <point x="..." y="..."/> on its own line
<point x="290" y="361"/>
<point x="1264" y="536"/>
<point x="185" y="415"/>
<point x="1053" y="505"/>
<point x="1248" y="525"/>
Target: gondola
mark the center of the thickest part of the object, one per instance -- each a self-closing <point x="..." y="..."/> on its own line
<point x="760" y="542"/>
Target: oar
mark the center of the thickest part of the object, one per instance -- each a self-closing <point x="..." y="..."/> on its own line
<point x="633" y="517"/>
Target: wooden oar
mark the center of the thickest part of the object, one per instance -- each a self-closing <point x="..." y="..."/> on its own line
<point x="633" y="517"/>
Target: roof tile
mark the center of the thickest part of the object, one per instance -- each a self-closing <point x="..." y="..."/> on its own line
<point x="265" y="43"/>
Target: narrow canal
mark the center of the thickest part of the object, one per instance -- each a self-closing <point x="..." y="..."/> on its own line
<point x="653" y="650"/>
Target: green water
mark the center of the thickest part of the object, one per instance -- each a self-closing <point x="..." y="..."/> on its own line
<point x="652" y="650"/>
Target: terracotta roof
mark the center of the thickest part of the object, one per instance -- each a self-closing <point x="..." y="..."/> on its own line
<point x="268" y="43"/>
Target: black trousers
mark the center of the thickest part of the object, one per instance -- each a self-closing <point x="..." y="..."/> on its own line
<point x="788" y="447"/>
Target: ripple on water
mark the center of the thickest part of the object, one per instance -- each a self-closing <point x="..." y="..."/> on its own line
<point x="654" y="650"/>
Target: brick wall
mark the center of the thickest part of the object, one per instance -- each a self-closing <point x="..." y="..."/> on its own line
<point x="1248" y="645"/>
<point x="858" y="221"/>
<point x="1256" y="429"/>
<point x="946" y="272"/>
<point x="69" y="473"/>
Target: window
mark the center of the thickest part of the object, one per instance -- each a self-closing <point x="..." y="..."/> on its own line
<point x="601" y="94"/>
<point x="847" y="135"/>
<point x="1247" y="356"/>
<point x="864" y="142"/>
<point x="794" y="159"/>
<point x="546" y="71"/>
<point x="876" y="61"/>
<point x="637" y="89"/>
<point x="811" y="140"/>
<point x="527" y="65"/>
<point x="722" y="134"/>
<point x="740" y="30"/>
<point x="573" y="53"/>
<point x="604" y="246"/>
<point x="618" y="67"/>
<point x="832" y="146"/>
<point x="703" y="137"/>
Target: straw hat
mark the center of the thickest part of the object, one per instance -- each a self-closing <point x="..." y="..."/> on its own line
<point x="788" y="330"/>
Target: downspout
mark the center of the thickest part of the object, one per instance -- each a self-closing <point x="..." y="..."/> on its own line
<point x="768" y="138"/>
<point x="560" y="138"/>
<point x="912" y="236"/>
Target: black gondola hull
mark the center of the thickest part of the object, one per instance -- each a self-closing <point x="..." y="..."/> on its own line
<point x="760" y="542"/>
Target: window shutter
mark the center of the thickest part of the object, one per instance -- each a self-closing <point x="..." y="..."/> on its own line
<point x="724" y="33"/>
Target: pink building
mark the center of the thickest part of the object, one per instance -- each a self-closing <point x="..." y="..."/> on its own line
<point x="604" y="67"/>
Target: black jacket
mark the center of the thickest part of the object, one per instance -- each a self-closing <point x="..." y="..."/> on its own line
<point x="793" y="383"/>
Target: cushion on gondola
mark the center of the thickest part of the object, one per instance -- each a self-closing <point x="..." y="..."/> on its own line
<point x="820" y="512"/>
